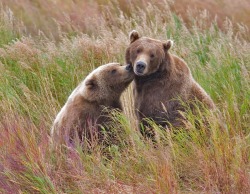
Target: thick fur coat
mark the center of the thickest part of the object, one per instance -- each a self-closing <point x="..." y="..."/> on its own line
<point x="162" y="81"/>
<point x="84" y="112"/>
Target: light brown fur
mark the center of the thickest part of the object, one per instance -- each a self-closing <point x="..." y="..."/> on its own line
<point x="165" y="80"/>
<point x="83" y="114"/>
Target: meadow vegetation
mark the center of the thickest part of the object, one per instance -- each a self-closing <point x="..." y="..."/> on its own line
<point x="39" y="69"/>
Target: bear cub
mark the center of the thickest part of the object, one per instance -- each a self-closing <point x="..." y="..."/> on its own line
<point x="84" y="113"/>
<point x="161" y="81"/>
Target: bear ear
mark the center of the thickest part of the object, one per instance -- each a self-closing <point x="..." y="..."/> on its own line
<point x="91" y="83"/>
<point x="133" y="36"/>
<point x="167" y="45"/>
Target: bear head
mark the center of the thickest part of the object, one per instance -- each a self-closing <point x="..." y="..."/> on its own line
<point x="107" y="82"/>
<point x="147" y="55"/>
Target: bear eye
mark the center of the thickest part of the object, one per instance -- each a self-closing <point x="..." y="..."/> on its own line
<point x="139" y="50"/>
<point x="152" y="56"/>
<point x="113" y="71"/>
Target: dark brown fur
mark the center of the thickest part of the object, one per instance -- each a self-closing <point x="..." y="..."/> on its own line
<point x="165" y="81"/>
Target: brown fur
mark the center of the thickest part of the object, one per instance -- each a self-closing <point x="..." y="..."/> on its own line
<point x="165" y="80"/>
<point x="83" y="114"/>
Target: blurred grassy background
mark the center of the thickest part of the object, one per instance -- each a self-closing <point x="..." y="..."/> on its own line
<point x="71" y="16"/>
<point x="47" y="47"/>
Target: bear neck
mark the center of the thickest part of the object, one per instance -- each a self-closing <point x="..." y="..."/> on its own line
<point x="110" y="98"/>
<point x="158" y="75"/>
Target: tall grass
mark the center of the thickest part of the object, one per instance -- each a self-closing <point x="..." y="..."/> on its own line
<point x="37" y="74"/>
<point x="56" y="17"/>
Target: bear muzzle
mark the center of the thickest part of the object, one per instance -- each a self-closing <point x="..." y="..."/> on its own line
<point x="129" y="67"/>
<point x="140" y="67"/>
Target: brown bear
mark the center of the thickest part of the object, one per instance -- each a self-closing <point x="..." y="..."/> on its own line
<point x="83" y="114"/>
<point x="162" y="81"/>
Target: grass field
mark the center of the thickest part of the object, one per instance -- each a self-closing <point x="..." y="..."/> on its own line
<point x="39" y="69"/>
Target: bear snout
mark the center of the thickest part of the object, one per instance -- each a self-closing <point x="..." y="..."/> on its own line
<point x="140" y="67"/>
<point x="128" y="67"/>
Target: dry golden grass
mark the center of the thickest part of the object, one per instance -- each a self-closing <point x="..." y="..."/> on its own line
<point x="38" y="73"/>
<point x="56" y="17"/>
<point x="237" y="11"/>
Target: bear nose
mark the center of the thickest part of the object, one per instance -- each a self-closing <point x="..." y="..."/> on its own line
<point x="140" y="66"/>
<point x="128" y="67"/>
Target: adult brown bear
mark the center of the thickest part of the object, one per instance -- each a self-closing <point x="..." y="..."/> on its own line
<point x="83" y="114"/>
<point x="162" y="81"/>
